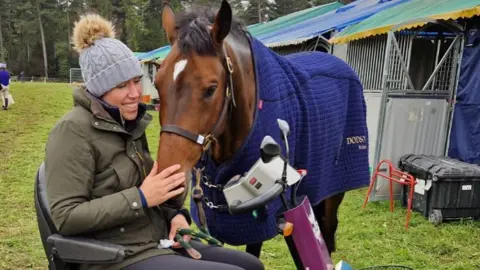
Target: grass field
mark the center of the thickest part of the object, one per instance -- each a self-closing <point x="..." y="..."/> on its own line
<point x="372" y="236"/>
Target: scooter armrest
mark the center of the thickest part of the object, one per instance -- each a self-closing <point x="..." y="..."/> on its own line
<point x="85" y="250"/>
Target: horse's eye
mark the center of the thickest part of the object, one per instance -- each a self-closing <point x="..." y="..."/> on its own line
<point x="210" y="91"/>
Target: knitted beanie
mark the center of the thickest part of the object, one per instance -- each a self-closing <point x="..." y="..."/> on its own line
<point x="105" y="61"/>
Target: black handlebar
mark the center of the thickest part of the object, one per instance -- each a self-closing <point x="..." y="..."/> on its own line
<point x="238" y="207"/>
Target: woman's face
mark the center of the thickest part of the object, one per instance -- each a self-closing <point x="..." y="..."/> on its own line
<point x="126" y="96"/>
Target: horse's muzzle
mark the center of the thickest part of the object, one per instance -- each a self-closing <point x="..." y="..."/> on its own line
<point x="178" y="201"/>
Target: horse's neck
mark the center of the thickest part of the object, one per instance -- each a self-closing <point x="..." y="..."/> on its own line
<point x="238" y="125"/>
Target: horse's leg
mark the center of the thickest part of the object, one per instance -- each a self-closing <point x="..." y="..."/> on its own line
<point x="254" y="249"/>
<point x="326" y="215"/>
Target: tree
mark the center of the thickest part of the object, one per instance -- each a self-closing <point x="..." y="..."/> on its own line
<point x="134" y="24"/>
<point x="284" y="7"/>
<point x="2" y="51"/>
<point x="314" y="3"/>
<point x="42" y="34"/>
<point x="153" y="35"/>
<point x="254" y="11"/>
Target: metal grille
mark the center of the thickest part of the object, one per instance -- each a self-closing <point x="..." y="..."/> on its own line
<point x="76" y="75"/>
<point x="383" y="63"/>
<point x="445" y="74"/>
<point x="366" y="57"/>
<point x="397" y="65"/>
<point x="434" y="73"/>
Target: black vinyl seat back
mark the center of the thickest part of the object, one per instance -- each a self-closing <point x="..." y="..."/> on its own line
<point x="68" y="253"/>
<point x="44" y="218"/>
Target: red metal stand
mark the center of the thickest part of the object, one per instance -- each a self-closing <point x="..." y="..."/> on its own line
<point x="398" y="176"/>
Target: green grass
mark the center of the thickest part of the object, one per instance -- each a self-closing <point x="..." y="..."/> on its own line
<point x="371" y="236"/>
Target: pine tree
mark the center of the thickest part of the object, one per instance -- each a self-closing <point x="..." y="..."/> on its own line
<point x="255" y="11"/>
<point x="285" y="7"/>
<point x="153" y="35"/>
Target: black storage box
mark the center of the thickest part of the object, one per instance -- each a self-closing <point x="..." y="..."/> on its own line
<point x="446" y="189"/>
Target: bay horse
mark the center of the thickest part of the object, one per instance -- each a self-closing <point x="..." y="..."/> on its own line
<point x="221" y="91"/>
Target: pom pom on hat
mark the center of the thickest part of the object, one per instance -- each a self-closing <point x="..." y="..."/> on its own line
<point x="89" y="28"/>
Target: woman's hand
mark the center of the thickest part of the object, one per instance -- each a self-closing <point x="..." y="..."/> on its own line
<point x="178" y="222"/>
<point x="158" y="188"/>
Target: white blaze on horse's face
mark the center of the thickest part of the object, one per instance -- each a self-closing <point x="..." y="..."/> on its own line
<point x="179" y="67"/>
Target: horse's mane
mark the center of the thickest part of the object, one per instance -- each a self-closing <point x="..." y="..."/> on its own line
<point x="193" y="30"/>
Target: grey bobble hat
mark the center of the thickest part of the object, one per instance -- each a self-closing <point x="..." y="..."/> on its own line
<point x="105" y="61"/>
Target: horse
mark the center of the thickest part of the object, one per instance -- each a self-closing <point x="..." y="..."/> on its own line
<point x="221" y="91"/>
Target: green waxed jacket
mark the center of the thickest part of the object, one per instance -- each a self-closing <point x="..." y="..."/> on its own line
<point x="94" y="167"/>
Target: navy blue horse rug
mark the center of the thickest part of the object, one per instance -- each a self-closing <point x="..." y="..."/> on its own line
<point x="322" y="100"/>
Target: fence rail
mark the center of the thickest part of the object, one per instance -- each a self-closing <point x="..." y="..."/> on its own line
<point x="40" y="79"/>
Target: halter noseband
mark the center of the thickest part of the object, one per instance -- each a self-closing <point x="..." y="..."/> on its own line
<point x="206" y="140"/>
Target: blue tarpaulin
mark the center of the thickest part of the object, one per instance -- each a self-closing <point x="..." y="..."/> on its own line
<point x="465" y="132"/>
<point x="161" y="53"/>
<point x="335" y="20"/>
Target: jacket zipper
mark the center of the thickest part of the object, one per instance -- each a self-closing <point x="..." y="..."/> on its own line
<point x="141" y="160"/>
<point x="152" y="228"/>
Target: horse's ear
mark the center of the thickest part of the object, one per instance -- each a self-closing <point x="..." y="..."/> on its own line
<point x="168" y="22"/>
<point x="222" y="24"/>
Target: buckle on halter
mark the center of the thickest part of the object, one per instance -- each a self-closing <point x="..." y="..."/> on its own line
<point x="229" y="65"/>
<point x="207" y="142"/>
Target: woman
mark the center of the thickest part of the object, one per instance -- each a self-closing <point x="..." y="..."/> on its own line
<point x="101" y="180"/>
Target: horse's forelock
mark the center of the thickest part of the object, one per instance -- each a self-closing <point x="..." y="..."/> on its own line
<point x="194" y="27"/>
<point x="196" y="39"/>
<point x="194" y="35"/>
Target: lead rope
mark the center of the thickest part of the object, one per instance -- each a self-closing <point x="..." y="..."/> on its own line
<point x="197" y="236"/>
<point x="197" y="195"/>
<point x="203" y="234"/>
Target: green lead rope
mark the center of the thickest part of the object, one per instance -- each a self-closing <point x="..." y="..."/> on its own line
<point x="198" y="236"/>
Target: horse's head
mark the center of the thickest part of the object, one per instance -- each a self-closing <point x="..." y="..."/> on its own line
<point x="194" y="86"/>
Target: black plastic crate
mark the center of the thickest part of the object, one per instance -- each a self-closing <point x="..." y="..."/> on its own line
<point x="446" y="189"/>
